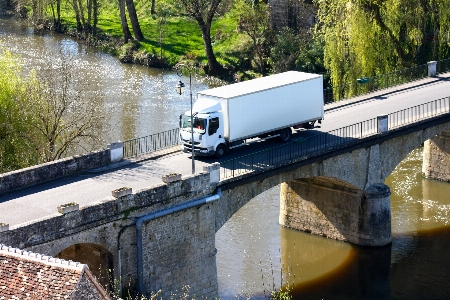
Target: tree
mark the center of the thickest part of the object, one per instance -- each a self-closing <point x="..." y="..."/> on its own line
<point x="123" y="21"/>
<point x="70" y="118"/>
<point x="134" y="20"/>
<point x="46" y="115"/>
<point x="371" y="37"/>
<point x="285" y="51"/>
<point x="15" y="153"/>
<point x="254" y="21"/>
<point x="203" y="11"/>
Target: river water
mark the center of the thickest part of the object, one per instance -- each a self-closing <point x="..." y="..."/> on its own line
<point x="255" y="255"/>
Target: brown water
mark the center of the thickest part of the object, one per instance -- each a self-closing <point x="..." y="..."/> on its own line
<point x="255" y="255"/>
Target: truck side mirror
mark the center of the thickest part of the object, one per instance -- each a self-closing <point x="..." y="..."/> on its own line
<point x="181" y="117"/>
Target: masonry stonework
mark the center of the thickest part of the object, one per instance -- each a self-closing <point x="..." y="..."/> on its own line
<point x="179" y="250"/>
<point x="334" y="209"/>
<point x="436" y="157"/>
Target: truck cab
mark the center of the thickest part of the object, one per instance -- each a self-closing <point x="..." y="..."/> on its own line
<point x="208" y="127"/>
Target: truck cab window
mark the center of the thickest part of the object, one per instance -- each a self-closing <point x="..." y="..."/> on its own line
<point x="213" y="126"/>
<point x="199" y="125"/>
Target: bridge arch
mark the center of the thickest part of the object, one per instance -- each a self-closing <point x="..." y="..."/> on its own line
<point x="97" y="257"/>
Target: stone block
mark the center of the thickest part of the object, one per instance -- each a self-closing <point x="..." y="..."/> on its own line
<point x="4" y="227"/>
<point x="123" y="191"/>
<point x="67" y="208"/>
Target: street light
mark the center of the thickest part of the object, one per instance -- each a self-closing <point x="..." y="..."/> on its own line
<point x="180" y="89"/>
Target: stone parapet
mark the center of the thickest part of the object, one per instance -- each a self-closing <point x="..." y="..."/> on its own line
<point x="53" y="170"/>
<point x="436" y="157"/>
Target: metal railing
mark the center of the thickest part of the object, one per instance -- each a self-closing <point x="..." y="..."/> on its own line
<point x="418" y="112"/>
<point x="371" y="84"/>
<point x="304" y="148"/>
<point x="151" y="143"/>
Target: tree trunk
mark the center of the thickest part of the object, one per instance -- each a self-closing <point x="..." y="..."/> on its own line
<point x="94" y="26"/>
<point x="58" y="14"/>
<point x="152" y="10"/>
<point x="81" y="9"/>
<point x="214" y="67"/>
<point x="123" y="19"/>
<point x="77" y="16"/>
<point x="134" y="20"/>
<point x="89" y="16"/>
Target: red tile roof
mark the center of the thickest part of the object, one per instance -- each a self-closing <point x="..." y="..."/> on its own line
<point x="28" y="275"/>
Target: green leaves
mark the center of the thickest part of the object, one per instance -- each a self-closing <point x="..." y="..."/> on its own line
<point x="45" y="116"/>
<point x="364" y="38"/>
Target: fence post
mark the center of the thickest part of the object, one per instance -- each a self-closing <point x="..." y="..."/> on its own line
<point x="382" y="121"/>
<point x="214" y="172"/>
<point x="432" y="68"/>
<point x="116" y="151"/>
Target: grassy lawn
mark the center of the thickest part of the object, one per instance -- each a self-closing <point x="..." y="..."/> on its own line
<point x="180" y="35"/>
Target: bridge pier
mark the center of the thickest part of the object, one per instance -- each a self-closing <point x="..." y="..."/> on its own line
<point x="436" y="157"/>
<point x="335" y="209"/>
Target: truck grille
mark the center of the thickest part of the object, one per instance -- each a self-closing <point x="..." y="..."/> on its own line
<point x="189" y="142"/>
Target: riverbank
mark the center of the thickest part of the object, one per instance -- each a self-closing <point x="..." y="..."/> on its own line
<point x="170" y="38"/>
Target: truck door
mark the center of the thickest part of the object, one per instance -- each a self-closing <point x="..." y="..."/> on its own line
<point x="215" y="131"/>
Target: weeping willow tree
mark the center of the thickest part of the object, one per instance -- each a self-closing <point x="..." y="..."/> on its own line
<point x="365" y="38"/>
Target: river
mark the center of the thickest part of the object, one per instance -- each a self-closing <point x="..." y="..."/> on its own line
<point x="255" y="255"/>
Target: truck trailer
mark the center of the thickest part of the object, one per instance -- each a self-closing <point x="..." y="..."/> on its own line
<point x="231" y="116"/>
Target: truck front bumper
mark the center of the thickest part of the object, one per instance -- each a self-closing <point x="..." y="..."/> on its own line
<point x="198" y="151"/>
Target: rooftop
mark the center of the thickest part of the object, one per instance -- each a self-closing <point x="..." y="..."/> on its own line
<point x="28" y="275"/>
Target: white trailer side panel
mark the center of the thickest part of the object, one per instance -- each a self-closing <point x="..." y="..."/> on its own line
<point x="274" y="109"/>
<point x="269" y="103"/>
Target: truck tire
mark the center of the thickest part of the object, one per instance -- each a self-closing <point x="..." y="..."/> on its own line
<point x="286" y="135"/>
<point x="221" y="150"/>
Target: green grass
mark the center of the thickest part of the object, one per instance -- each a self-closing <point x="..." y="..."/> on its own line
<point x="181" y="36"/>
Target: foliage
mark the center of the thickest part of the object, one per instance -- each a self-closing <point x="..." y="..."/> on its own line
<point x="46" y="115"/>
<point x="203" y="12"/>
<point x="364" y="38"/>
<point x="254" y="21"/>
<point x="285" y="51"/>
<point x="15" y="151"/>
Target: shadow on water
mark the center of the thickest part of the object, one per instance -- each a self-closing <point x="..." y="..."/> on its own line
<point x="369" y="273"/>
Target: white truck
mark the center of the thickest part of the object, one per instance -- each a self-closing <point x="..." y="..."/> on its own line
<point x="234" y="115"/>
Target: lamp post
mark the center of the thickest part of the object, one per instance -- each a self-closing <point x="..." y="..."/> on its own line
<point x="180" y="89"/>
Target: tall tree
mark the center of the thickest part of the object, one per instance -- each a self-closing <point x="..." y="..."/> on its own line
<point x="123" y="20"/>
<point x="371" y="37"/>
<point x="203" y="12"/>
<point x="254" y="21"/>
<point x="134" y="20"/>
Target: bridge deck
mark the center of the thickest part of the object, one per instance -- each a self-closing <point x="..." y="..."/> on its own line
<point x="95" y="186"/>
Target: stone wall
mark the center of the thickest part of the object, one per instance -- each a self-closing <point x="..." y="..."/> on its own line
<point x="53" y="170"/>
<point x="294" y="14"/>
<point x="436" y="157"/>
<point x="334" y="209"/>
<point x="178" y="249"/>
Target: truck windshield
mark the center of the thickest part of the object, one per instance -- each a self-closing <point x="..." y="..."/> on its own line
<point x="199" y="124"/>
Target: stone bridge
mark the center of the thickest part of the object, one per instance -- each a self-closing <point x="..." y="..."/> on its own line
<point x="163" y="237"/>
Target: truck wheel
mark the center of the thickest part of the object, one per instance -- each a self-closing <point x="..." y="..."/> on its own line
<point x="286" y="135"/>
<point x="221" y="150"/>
